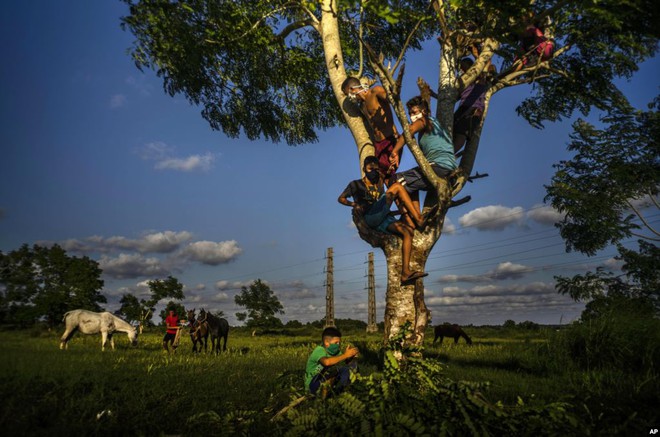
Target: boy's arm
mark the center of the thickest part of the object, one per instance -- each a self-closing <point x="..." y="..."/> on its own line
<point x="331" y="361"/>
<point x="343" y="198"/>
<point x="417" y="126"/>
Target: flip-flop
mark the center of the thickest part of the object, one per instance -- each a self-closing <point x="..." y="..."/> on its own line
<point x="414" y="276"/>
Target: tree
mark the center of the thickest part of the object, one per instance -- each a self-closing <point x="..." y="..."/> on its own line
<point x="44" y="282"/>
<point x="160" y="289"/>
<point x="509" y="324"/>
<point x="178" y="309"/>
<point x="131" y="308"/>
<point x="259" y="67"/>
<point x="598" y="189"/>
<point x="261" y="305"/>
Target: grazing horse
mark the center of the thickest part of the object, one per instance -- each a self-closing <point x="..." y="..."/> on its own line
<point x="89" y="322"/>
<point x="218" y="327"/>
<point x="447" y="330"/>
<point x="199" y="332"/>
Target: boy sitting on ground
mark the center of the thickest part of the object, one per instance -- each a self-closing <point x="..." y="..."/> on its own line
<point x="327" y="366"/>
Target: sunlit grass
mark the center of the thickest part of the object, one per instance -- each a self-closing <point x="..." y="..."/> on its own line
<point x="145" y="391"/>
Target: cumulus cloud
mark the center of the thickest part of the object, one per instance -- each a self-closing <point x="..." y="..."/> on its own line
<point x="191" y="163"/>
<point x="164" y="157"/>
<point x="131" y="266"/>
<point x="117" y="101"/>
<point x="504" y="271"/>
<point x="448" y="228"/>
<point x="212" y="253"/>
<point x="545" y="215"/>
<point x="158" y="242"/>
<point x="227" y="285"/>
<point x="492" y="218"/>
<point x="220" y="297"/>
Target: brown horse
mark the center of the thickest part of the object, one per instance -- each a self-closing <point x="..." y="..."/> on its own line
<point x="199" y="332"/>
<point x="218" y="328"/>
<point x="448" y="330"/>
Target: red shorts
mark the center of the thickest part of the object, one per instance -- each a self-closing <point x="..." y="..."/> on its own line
<point x="383" y="152"/>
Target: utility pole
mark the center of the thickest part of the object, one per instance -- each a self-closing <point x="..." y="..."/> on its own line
<point x="371" y="318"/>
<point x="329" y="293"/>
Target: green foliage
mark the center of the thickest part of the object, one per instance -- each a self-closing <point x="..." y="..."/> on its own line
<point x="621" y="335"/>
<point x="261" y="304"/>
<point x="178" y="309"/>
<point x="412" y="396"/>
<point x="130" y="308"/>
<point x="44" y="282"/>
<point x="611" y="167"/>
<point x="509" y="324"/>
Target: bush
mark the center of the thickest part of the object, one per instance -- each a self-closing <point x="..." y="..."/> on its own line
<point x="618" y="340"/>
<point x="414" y="397"/>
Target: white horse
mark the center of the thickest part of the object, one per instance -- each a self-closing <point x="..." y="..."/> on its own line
<point x="89" y="322"/>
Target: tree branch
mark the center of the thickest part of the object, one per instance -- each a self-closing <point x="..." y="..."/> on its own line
<point x="641" y="217"/>
<point x="293" y="27"/>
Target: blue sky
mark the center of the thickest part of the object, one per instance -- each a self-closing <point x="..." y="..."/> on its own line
<point x="96" y="157"/>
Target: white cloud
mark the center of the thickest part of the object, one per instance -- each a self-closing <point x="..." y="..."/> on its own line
<point x="117" y="101"/>
<point x="545" y="215"/>
<point x="131" y="266"/>
<point x="227" y="285"/>
<point x="448" y="228"/>
<point x="492" y="218"/>
<point x="220" y="297"/>
<point x="503" y="271"/>
<point x="211" y="253"/>
<point x="191" y="163"/>
<point x="163" y="154"/>
<point x="159" y="242"/>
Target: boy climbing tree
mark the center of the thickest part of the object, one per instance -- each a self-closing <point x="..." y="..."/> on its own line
<point x="257" y="68"/>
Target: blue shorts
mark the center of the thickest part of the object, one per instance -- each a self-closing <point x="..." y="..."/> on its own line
<point x="378" y="217"/>
<point x="413" y="179"/>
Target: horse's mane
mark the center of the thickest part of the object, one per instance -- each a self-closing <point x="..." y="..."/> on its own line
<point x="122" y="325"/>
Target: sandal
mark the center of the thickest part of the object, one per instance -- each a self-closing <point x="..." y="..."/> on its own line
<point x="413" y="277"/>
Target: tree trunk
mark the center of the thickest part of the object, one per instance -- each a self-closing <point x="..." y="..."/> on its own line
<point x="334" y="61"/>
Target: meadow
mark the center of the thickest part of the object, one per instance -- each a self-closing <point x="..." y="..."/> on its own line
<point x="145" y="391"/>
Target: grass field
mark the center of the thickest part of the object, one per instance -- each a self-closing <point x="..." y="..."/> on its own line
<point x="144" y="391"/>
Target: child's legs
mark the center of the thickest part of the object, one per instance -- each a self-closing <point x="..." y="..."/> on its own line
<point x="397" y="192"/>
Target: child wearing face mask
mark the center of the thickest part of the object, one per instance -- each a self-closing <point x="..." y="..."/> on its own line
<point x="377" y="111"/>
<point x="436" y="145"/>
<point x="327" y="365"/>
<point x="372" y="201"/>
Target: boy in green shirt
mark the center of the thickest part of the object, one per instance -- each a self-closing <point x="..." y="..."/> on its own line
<point x="323" y="363"/>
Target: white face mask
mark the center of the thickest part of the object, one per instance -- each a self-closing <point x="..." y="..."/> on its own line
<point x="418" y="116"/>
<point x="360" y="89"/>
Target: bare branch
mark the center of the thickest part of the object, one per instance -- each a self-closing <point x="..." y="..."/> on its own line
<point x="290" y="5"/>
<point x="293" y="27"/>
<point x="641" y="217"/>
<point x="406" y="43"/>
<point x="645" y="237"/>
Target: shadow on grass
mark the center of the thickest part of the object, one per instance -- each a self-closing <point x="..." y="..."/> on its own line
<point x="509" y="364"/>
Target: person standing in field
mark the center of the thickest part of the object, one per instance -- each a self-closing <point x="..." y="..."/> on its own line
<point x="378" y="113"/>
<point x="172" y="329"/>
<point x="327" y="368"/>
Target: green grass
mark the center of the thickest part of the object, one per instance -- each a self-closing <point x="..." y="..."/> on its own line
<point x="144" y="391"/>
